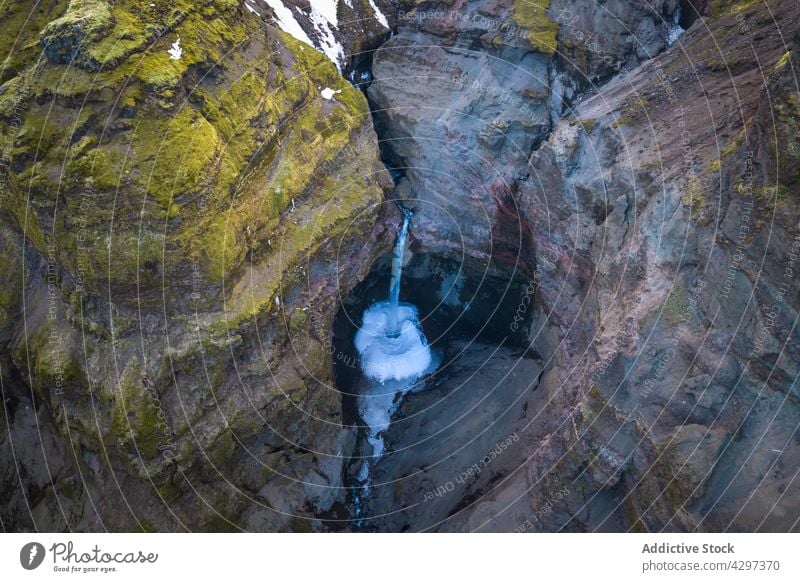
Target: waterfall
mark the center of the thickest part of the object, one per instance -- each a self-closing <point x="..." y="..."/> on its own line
<point x="676" y="30"/>
<point x="393" y="351"/>
<point x="397" y="272"/>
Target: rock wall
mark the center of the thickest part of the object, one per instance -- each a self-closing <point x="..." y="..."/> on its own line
<point x="188" y="192"/>
<point x="478" y="86"/>
<point x="658" y="185"/>
<point x="182" y="204"/>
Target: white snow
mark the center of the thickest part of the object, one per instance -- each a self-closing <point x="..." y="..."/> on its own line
<point x="287" y="22"/>
<point x="176" y="51"/>
<point x="328" y="93"/>
<point x="323" y="16"/>
<point x="379" y="15"/>
<point x="327" y="8"/>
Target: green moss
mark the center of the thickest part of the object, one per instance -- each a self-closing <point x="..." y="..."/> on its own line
<point x="136" y="25"/>
<point x="39" y="134"/>
<point x="147" y="526"/>
<point x="783" y="61"/>
<point x="174" y="154"/>
<point x="7" y="298"/>
<point x="312" y="131"/>
<point x="136" y="422"/>
<point x="676" y="306"/>
<point x="298" y="322"/>
<point x="232" y="113"/>
<point x="729" y="149"/>
<point x="300" y="525"/>
<point x="22" y="24"/>
<point x="772" y="192"/>
<point x="586" y="124"/>
<point x="723" y="7"/>
<point x="169" y="492"/>
<point x="622" y="120"/>
<point x="631" y="112"/>
<point x="204" y="40"/>
<point x="11" y="98"/>
<point x="66" y="81"/>
<point x="253" y="138"/>
<point x="96" y="166"/>
<point x="532" y="15"/>
<point x="10" y="278"/>
<point x="222" y="448"/>
<point x="221" y="249"/>
<point x="86" y="21"/>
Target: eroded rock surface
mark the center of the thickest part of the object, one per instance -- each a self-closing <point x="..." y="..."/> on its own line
<point x="177" y="226"/>
<point x="663" y="216"/>
<point x="178" y="233"/>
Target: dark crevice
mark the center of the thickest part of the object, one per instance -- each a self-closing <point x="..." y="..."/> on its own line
<point x="691" y="10"/>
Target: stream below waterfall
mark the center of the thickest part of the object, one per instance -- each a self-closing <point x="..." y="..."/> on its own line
<point x="394" y="356"/>
<point x="412" y="332"/>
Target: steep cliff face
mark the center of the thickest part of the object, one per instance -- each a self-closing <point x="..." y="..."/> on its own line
<point x="343" y="30"/>
<point x="663" y="215"/>
<point x="180" y="185"/>
<point x="478" y="86"/>
<point x="678" y="233"/>
<point x="189" y="193"/>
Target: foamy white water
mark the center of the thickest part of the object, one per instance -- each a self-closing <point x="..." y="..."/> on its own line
<point x="676" y="30"/>
<point x="391" y="343"/>
<point x="394" y="353"/>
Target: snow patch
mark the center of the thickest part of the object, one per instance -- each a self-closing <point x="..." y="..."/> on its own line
<point x="327" y="8"/>
<point x="379" y="15"/>
<point x="328" y="93"/>
<point x="176" y="51"/>
<point x="323" y="17"/>
<point x="287" y="22"/>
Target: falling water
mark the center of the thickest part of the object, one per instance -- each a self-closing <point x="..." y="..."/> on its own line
<point x="390" y="342"/>
<point x="676" y="30"/>
<point x="397" y="259"/>
<point x="394" y="355"/>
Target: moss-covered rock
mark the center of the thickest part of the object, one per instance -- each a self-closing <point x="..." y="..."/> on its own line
<point x="533" y="15"/>
<point x="215" y="145"/>
<point x="144" y="182"/>
<point x="722" y="7"/>
<point x="139" y="420"/>
<point x="66" y="39"/>
<point x="11" y="284"/>
<point x="26" y="19"/>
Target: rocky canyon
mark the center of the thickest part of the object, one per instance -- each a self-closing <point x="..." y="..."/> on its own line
<point x="573" y="226"/>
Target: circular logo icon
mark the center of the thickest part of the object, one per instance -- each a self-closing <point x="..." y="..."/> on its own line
<point x="31" y="555"/>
